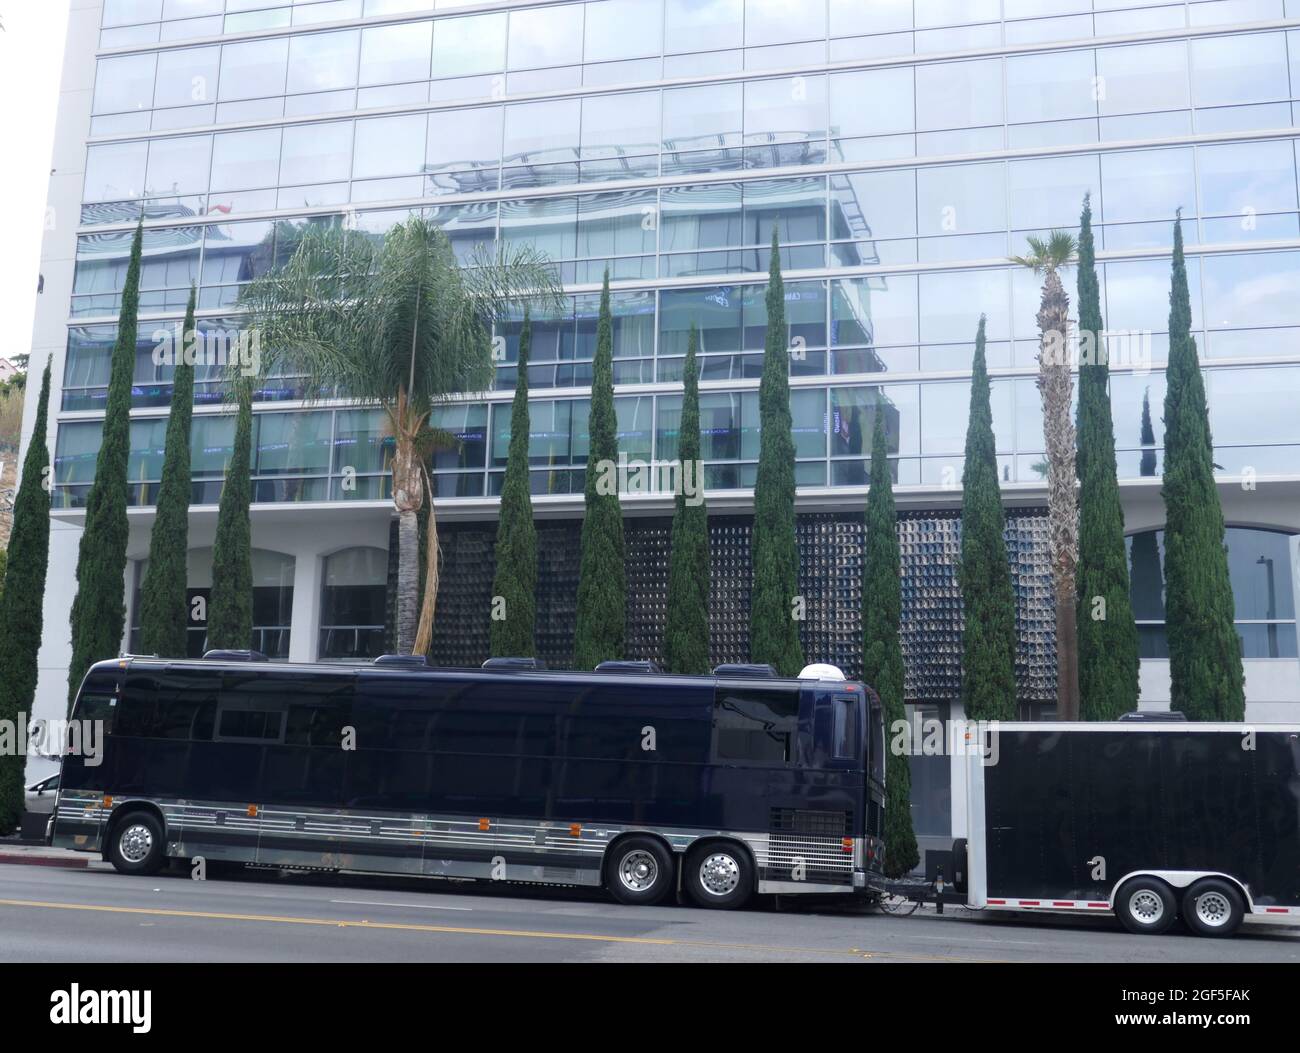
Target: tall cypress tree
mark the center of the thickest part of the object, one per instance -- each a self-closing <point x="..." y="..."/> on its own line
<point x="1147" y="465"/>
<point x="164" y="612"/>
<point x="602" y="582"/>
<point x="882" y="648"/>
<point x="21" y="606"/>
<point x="515" y="582"/>
<point x="686" y="634"/>
<point x="1205" y="670"/>
<point x="1108" y="643"/>
<point x="773" y="628"/>
<point x="988" y="683"/>
<point x="230" y="605"/>
<point x="99" y="610"/>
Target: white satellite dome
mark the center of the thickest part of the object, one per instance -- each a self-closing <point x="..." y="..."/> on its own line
<point x="821" y="671"/>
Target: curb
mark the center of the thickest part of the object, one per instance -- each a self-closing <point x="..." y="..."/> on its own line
<point x="44" y="861"/>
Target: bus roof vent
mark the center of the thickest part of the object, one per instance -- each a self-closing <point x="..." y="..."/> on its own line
<point x="402" y="659"/>
<point x="821" y="671"/>
<point x="628" y="666"/>
<point x="1153" y="715"/>
<point x="514" y="663"/>
<point x="235" y="656"/>
<point x="747" y="671"/>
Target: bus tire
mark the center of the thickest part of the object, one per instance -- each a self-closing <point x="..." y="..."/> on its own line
<point x="719" y="875"/>
<point x="639" y="870"/>
<point x="1213" y="907"/>
<point x="1146" y="905"/>
<point x="136" y="844"/>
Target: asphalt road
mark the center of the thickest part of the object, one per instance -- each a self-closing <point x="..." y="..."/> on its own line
<point x="98" y="915"/>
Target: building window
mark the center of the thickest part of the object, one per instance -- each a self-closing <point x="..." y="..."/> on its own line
<point x="1260" y="568"/>
<point x="353" y="604"/>
<point x="272" y="602"/>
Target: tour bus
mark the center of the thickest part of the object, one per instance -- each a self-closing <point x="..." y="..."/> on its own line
<point x="644" y="783"/>
<point x="1149" y="821"/>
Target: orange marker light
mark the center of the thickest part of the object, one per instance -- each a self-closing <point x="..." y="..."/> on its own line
<point x="108" y="801"/>
<point x="252" y="811"/>
<point x="483" y="824"/>
<point x="847" y="844"/>
<point x="575" y="829"/>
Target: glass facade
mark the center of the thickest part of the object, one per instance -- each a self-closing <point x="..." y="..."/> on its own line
<point x="901" y="149"/>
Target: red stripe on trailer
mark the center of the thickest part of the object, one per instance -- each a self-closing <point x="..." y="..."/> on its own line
<point x="1102" y="906"/>
<point x="1030" y="903"/>
<point x="998" y="902"/>
<point x="1277" y="910"/>
<point x="1064" y="903"/>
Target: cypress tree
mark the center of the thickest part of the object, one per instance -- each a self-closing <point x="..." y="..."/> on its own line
<point x="602" y="583"/>
<point x="230" y="605"/>
<point x="1107" y="634"/>
<point x="1147" y="466"/>
<point x="515" y="582"/>
<point x="21" y="606"/>
<point x="988" y="683"/>
<point x="164" y="612"/>
<point x="1205" y="670"/>
<point x="99" y="609"/>
<point x="773" y="628"/>
<point x="686" y="634"/>
<point x="882" y="648"/>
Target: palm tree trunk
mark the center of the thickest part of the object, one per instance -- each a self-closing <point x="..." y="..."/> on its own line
<point x="408" y="578"/>
<point x="433" y="554"/>
<point x="408" y="493"/>
<point x="1056" y="386"/>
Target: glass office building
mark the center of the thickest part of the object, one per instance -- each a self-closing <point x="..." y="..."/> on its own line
<point x="902" y="150"/>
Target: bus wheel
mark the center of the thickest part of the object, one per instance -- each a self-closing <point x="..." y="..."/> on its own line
<point x="1213" y="907"/>
<point x="137" y="845"/>
<point x="719" y="875"/>
<point x="1145" y="905"/>
<point x="639" y="870"/>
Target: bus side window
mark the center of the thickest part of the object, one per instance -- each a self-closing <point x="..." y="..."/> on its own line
<point x="754" y="725"/>
<point x="845" y="736"/>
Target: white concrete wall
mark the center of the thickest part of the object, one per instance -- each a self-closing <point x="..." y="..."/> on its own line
<point x="50" y="338"/>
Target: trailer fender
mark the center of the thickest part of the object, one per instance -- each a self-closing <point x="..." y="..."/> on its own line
<point x="1181" y="879"/>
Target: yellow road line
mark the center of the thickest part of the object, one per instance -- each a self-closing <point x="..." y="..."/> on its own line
<point x="343" y="923"/>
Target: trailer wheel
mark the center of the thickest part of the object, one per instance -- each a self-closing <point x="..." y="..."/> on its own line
<point x="1146" y="905"/>
<point x="1213" y="907"/>
<point x="639" y="870"/>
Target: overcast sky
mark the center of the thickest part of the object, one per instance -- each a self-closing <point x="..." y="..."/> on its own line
<point x="31" y="62"/>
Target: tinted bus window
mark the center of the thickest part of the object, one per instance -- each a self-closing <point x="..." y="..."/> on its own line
<point x="250" y="725"/>
<point x="755" y="724"/>
<point x="845" y="732"/>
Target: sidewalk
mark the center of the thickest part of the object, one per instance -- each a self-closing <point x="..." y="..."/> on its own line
<point x="13" y="851"/>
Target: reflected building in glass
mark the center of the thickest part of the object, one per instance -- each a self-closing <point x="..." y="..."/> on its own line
<point x="901" y="149"/>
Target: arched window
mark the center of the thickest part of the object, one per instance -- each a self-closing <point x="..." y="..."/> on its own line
<point x="272" y="601"/>
<point x="353" y="604"/>
<point x="1260" y="566"/>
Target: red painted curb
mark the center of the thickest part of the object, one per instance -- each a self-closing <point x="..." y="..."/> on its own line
<point x="44" y="861"/>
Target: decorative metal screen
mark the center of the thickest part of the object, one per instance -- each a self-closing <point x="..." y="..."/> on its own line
<point x="830" y="582"/>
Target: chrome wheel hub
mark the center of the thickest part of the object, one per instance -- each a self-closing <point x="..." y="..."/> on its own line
<point x="638" y="871"/>
<point x="1146" y="906"/>
<point x="135" y="842"/>
<point x="1213" y="909"/>
<point x="719" y="874"/>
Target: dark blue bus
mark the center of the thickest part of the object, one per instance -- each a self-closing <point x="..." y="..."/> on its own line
<point x="642" y="783"/>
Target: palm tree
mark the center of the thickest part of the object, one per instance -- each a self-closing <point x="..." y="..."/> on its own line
<point x="1046" y="257"/>
<point x="395" y="322"/>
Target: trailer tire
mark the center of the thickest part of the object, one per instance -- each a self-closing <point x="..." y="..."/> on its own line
<point x="1213" y="907"/>
<point x="1146" y="906"/>
<point x="959" y="864"/>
